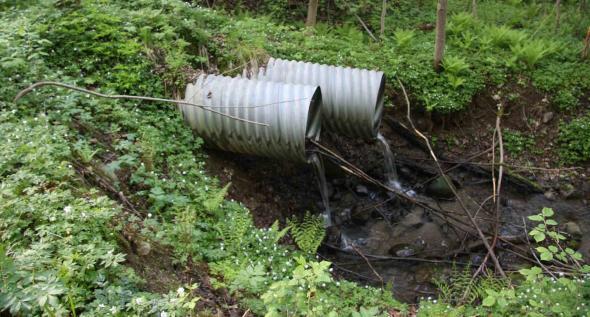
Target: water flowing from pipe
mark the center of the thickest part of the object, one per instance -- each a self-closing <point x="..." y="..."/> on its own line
<point x="389" y="163"/>
<point x="318" y="166"/>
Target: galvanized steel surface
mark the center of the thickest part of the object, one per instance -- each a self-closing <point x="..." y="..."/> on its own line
<point x="291" y="110"/>
<point x="352" y="97"/>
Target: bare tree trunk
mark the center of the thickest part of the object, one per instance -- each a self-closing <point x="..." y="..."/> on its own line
<point x="312" y="12"/>
<point x="439" y="45"/>
<point x="474" y="8"/>
<point x="557" y="14"/>
<point x="586" y="44"/>
<point x="383" y="13"/>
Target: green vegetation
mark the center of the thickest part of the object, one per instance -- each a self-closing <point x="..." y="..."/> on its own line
<point x="83" y="179"/>
<point x="574" y="140"/>
<point x="537" y="295"/>
<point x="516" y="143"/>
<point x="308" y="232"/>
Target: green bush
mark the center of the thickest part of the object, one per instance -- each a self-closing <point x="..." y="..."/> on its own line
<point x="574" y="140"/>
<point x="516" y="143"/>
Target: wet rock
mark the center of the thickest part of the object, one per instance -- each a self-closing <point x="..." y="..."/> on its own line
<point x="360" y="216"/>
<point x="549" y="195"/>
<point x="403" y="250"/>
<point x="379" y="236"/>
<point x="413" y="219"/>
<point x="568" y="191"/>
<point x="362" y="189"/>
<point x="427" y="240"/>
<point x="407" y="174"/>
<point x="424" y="274"/>
<point x="339" y="181"/>
<point x="330" y="190"/>
<point x="348" y="200"/>
<point x="572" y="229"/>
<point x="440" y="188"/>
<point x="144" y="248"/>
<point x="548" y="116"/>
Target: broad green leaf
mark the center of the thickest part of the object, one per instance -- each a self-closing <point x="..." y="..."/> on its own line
<point x="536" y="218"/>
<point x="489" y="301"/>
<point x="547" y="212"/>
<point x="546" y="256"/>
<point x="539" y="237"/>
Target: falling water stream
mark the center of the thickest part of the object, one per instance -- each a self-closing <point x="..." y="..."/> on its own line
<point x="389" y="162"/>
<point x="320" y="174"/>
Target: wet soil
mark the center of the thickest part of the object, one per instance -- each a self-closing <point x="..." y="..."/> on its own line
<point x="406" y="244"/>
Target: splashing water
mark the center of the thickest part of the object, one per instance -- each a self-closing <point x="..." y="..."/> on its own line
<point x="389" y="161"/>
<point x="391" y="179"/>
<point x="320" y="174"/>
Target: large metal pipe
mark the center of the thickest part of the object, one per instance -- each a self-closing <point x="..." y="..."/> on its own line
<point x="352" y="97"/>
<point x="292" y="112"/>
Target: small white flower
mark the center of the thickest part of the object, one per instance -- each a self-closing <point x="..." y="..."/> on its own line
<point x="149" y="215"/>
<point x="114" y="310"/>
<point x="163" y="314"/>
<point x="180" y="291"/>
<point x="67" y="209"/>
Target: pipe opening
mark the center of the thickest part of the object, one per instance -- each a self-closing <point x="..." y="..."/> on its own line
<point x="378" y="113"/>
<point x="314" y="116"/>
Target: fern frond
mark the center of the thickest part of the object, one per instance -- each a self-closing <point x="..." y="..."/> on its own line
<point x="308" y="233"/>
<point x="235" y="228"/>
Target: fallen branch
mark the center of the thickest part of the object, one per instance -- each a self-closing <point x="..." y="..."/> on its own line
<point x="369" y="264"/>
<point x="366" y="28"/>
<point x="36" y="85"/>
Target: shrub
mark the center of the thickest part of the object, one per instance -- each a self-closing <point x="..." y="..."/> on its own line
<point x="574" y="140"/>
<point x="516" y="143"/>
<point x="403" y="38"/>
<point x="532" y="51"/>
<point x="504" y="37"/>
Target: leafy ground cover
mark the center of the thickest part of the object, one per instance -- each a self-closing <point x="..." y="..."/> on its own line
<point x="88" y="184"/>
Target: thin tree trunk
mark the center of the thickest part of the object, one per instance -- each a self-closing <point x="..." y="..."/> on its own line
<point x="586" y="44"/>
<point x="439" y="45"/>
<point x="383" y="13"/>
<point x="312" y="12"/>
<point x="474" y="8"/>
<point x="557" y="14"/>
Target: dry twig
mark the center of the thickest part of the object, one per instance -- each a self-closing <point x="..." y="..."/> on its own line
<point x="369" y="264"/>
<point x="36" y="85"/>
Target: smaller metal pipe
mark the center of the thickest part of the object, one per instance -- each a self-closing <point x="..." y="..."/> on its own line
<point x="352" y="97"/>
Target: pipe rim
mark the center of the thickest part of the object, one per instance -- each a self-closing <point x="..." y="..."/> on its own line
<point x="313" y="126"/>
<point x="378" y="111"/>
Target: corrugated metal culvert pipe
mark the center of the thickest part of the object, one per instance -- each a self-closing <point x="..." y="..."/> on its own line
<point x="292" y="112"/>
<point x="352" y="97"/>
